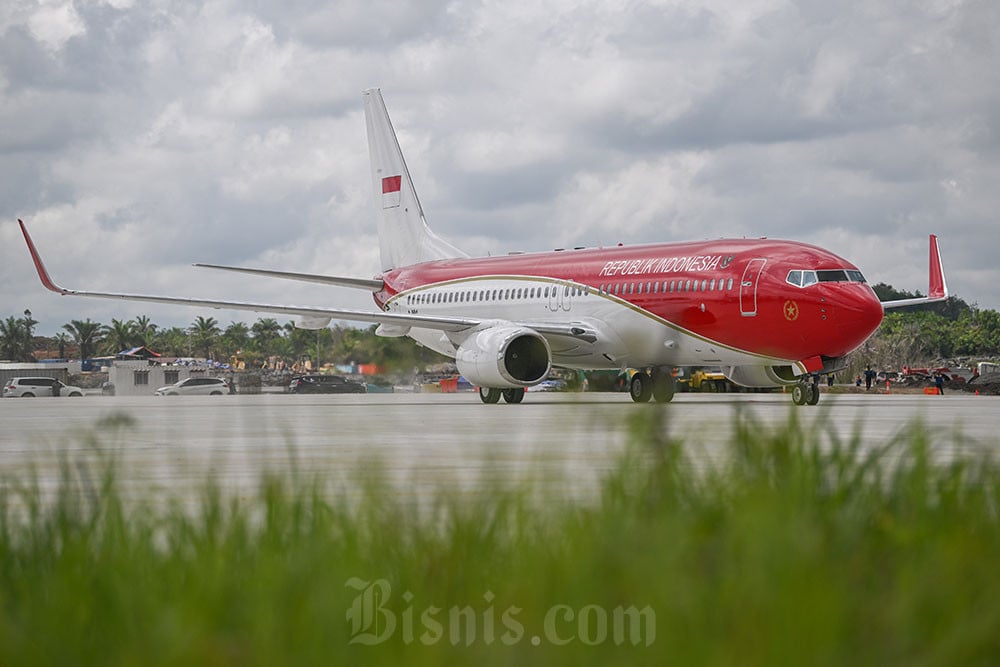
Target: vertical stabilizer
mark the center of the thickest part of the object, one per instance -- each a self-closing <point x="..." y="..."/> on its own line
<point x="403" y="234"/>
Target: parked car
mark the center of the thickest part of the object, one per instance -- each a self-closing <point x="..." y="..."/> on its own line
<point x="325" y="384"/>
<point x="38" y="386"/>
<point x="197" y="386"/>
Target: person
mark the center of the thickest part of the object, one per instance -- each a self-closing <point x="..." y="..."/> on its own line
<point x="829" y="380"/>
<point x="857" y="381"/>
<point x="939" y="383"/>
<point x="869" y="376"/>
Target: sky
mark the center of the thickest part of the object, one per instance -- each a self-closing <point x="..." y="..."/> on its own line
<point x="140" y="137"/>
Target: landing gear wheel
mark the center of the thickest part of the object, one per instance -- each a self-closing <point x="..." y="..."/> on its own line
<point x="663" y="387"/>
<point x="513" y="395"/>
<point x="489" y="395"/>
<point x="641" y="387"/>
<point x="812" y="397"/>
<point x="800" y="393"/>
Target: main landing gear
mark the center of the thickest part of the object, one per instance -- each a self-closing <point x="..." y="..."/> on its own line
<point x="490" y="395"/>
<point x="657" y="384"/>
<point x="805" y="393"/>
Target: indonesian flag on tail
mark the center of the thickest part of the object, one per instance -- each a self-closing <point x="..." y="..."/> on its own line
<point x="391" y="186"/>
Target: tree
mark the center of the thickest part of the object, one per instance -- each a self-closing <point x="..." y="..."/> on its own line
<point x="235" y="339"/>
<point x="145" y="331"/>
<point x="119" y="336"/>
<point x="17" y="338"/>
<point x="61" y="340"/>
<point x="87" y="335"/>
<point x="204" y="334"/>
<point x="266" y="331"/>
<point x="173" y="342"/>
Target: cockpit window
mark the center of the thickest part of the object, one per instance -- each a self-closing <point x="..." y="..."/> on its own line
<point x="802" y="278"/>
<point x="832" y="276"/>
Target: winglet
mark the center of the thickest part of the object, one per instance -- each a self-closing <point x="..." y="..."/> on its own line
<point x="938" y="288"/>
<point x="39" y="265"/>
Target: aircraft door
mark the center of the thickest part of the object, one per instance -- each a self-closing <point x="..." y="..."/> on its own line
<point x="748" y="287"/>
<point x="561" y="298"/>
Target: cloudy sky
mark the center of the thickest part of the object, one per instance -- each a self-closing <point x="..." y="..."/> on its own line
<point x="139" y="137"/>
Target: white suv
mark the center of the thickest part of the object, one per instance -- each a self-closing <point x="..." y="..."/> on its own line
<point x="196" y="386"/>
<point x="41" y="386"/>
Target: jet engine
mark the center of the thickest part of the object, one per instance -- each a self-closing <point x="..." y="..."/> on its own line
<point x="504" y="357"/>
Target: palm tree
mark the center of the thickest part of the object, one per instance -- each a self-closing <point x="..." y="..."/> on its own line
<point x="265" y="330"/>
<point x="172" y="341"/>
<point x="17" y="338"/>
<point x="11" y="339"/>
<point x="204" y="334"/>
<point x="62" y="339"/>
<point x="144" y="330"/>
<point x="235" y="338"/>
<point x="87" y="335"/>
<point x="119" y="336"/>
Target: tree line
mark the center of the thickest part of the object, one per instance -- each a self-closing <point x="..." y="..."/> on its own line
<point x="265" y="339"/>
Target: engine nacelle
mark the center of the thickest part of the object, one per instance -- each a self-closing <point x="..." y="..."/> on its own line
<point x="504" y="357"/>
<point x="312" y="322"/>
<point x="762" y="376"/>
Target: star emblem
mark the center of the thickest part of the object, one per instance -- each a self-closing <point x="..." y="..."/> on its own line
<point x="791" y="310"/>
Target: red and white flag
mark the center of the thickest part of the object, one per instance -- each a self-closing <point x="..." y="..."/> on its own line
<point x="391" y="186"/>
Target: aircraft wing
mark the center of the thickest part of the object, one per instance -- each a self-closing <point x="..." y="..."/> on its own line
<point x="448" y="324"/>
<point x="937" y="289"/>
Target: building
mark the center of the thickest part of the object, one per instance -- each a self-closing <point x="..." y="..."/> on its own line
<point x="140" y="377"/>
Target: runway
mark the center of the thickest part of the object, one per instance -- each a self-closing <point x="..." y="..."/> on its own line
<point x="429" y="441"/>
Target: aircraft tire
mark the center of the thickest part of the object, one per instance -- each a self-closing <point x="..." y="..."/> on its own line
<point x="663" y="387"/>
<point x="513" y="395"/>
<point x="812" y="396"/>
<point x="799" y="393"/>
<point x="641" y="387"/>
<point x="489" y="395"/>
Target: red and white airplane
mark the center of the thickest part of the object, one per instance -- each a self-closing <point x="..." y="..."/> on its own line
<point x="769" y="312"/>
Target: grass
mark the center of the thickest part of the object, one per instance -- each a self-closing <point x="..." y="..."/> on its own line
<point x="792" y="550"/>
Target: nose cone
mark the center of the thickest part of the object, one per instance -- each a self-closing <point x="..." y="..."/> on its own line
<point x="859" y="313"/>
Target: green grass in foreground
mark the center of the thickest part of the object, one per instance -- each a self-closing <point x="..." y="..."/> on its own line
<point x="792" y="551"/>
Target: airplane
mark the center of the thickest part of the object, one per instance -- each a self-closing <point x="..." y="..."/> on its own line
<point x="770" y="313"/>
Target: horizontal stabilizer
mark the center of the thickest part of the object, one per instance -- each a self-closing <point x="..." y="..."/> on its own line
<point x="370" y="284"/>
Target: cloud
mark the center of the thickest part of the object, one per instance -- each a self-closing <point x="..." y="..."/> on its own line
<point x="140" y="137"/>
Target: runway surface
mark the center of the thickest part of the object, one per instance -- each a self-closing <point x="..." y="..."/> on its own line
<point x="426" y="441"/>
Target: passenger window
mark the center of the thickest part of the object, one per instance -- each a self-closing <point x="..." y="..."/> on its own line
<point x="704" y="285"/>
<point x="687" y="286"/>
<point x="729" y="284"/>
